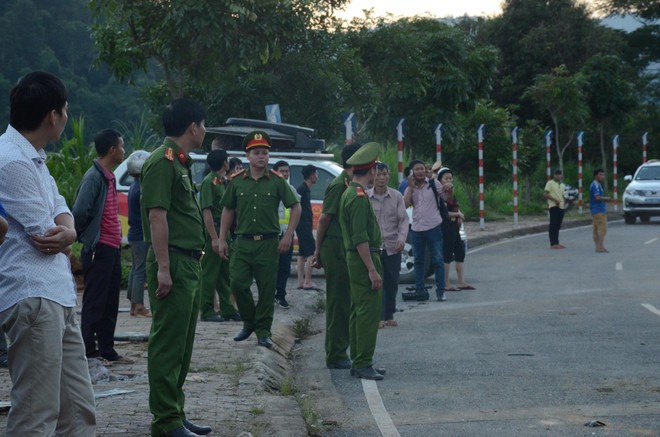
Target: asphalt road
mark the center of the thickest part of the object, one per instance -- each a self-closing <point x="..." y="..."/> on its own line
<point x="550" y="340"/>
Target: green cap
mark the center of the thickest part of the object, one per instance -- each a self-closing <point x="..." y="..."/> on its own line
<point x="365" y="157"/>
<point x="256" y="138"/>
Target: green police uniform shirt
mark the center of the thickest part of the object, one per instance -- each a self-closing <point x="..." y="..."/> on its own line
<point x="210" y="194"/>
<point x="331" y="202"/>
<point x="166" y="183"/>
<point x="357" y="218"/>
<point x="257" y="201"/>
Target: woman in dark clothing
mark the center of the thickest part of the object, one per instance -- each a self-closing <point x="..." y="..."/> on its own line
<point x="452" y="245"/>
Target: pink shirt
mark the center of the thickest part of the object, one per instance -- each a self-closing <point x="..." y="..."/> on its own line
<point x="391" y="216"/>
<point x="110" y="226"/>
<point x="425" y="209"/>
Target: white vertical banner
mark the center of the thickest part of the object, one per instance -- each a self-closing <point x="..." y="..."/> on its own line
<point x="438" y="143"/>
<point x="480" y="138"/>
<point x="580" y="142"/>
<point x="514" y="141"/>
<point x="645" y="145"/>
<point x="399" y="148"/>
<point x="615" y="173"/>
<point x="348" y="127"/>
<point x="548" y="154"/>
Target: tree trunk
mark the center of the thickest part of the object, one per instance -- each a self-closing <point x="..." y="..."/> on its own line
<point x="560" y="152"/>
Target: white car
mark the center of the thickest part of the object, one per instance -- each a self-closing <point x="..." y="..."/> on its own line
<point x="642" y="195"/>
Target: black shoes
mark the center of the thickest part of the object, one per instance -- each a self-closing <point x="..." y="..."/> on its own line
<point x="196" y="429"/>
<point x="341" y="364"/>
<point x="377" y="369"/>
<point x="265" y="342"/>
<point x="441" y="296"/>
<point x="368" y="373"/>
<point x="281" y="301"/>
<point x="244" y="334"/>
<point x="233" y="318"/>
<point x="218" y="318"/>
<point x="179" y="432"/>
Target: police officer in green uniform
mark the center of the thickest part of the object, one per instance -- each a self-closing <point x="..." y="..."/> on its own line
<point x="215" y="271"/>
<point x="253" y="197"/>
<point x="172" y="223"/>
<point x="362" y="240"/>
<point x="330" y="254"/>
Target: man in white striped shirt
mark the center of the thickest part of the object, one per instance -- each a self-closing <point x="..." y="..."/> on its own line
<point x="51" y="388"/>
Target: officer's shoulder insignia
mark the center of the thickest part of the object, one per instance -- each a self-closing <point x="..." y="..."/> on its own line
<point x="169" y="154"/>
<point x="360" y="191"/>
<point x="241" y="172"/>
<point x="215" y="181"/>
<point x="276" y="173"/>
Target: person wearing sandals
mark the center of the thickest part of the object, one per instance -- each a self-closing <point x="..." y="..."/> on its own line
<point x="304" y="232"/>
<point x="452" y="245"/>
<point x="393" y="222"/>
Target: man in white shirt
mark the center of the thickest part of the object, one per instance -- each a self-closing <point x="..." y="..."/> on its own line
<point x="51" y="389"/>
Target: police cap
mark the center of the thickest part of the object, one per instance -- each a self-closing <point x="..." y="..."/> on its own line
<point x="256" y="138"/>
<point x="365" y="157"/>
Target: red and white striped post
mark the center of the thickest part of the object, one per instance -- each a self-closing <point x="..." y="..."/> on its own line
<point x="399" y="148"/>
<point x="514" y="140"/>
<point x="480" y="137"/>
<point x="580" y="142"/>
<point x="438" y="143"/>
<point x="348" y="126"/>
<point x="645" y="145"/>
<point x="548" y="154"/>
<point x="615" y="173"/>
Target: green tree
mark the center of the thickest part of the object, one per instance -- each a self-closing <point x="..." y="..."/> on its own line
<point x="194" y="41"/>
<point x="560" y="94"/>
<point x="608" y="93"/>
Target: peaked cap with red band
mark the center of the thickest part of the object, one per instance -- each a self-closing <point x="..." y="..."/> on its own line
<point x="256" y="138"/>
<point x="365" y="157"/>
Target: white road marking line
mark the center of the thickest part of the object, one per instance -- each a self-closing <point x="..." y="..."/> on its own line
<point x="652" y="240"/>
<point x="619" y="265"/>
<point x="651" y="308"/>
<point x="378" y="411"/>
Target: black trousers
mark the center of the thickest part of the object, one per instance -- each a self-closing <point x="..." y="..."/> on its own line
<point x="391" y="268"/>
<point x="100" y="301"/>
<point x="556" y="217"/>
<point x="283" y="272"/>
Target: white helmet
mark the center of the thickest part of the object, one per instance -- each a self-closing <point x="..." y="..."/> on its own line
<point x="136" y="161"/>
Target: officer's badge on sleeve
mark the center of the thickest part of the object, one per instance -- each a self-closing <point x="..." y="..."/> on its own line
<point x="169" y="154"/>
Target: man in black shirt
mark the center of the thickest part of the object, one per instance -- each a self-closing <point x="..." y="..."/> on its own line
<point x="306" y="242"/>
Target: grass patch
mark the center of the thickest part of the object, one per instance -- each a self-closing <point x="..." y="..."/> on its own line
<point x="302" y="328"/>
<point x="288" y="386"/>
<point x="257" y="411"/>
<point x="311" y="417"/>
<point x="319" y="304"/>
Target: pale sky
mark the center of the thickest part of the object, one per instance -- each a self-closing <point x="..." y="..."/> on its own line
<point x="437" y="8"/>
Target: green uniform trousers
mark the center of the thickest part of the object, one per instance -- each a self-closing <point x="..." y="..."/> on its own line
<point x="171" y="339"/>
<point x="215" y="278"/>
<point x="338" y="299"/>
<point x="365" y="310"/>
<point x="259" y="260"/>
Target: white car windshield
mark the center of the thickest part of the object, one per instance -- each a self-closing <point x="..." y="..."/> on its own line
<point x="648" y="174"/>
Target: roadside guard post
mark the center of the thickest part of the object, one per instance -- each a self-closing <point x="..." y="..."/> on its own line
<point x="438" y="143"/>
<point x="480" y="136"/>
<point x="514" y="140"/>
<point x="348" y="126"/>
<point x="399" y="148"/>
<point x="580" y="139"/>
<point x="548" y="156"/>
<point x="615" y="171"/>
<point x="645" y="145"/>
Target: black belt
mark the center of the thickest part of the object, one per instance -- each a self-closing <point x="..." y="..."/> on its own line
<point x="194" y="254"/>
<point x="378" y="250"/>
<point x="257" y="237"/>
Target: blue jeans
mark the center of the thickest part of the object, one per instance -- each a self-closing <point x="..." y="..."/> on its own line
<point x="138" y="274"/>
<point x="432" y="237"/>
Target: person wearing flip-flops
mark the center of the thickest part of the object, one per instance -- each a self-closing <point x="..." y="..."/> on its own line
<point x="392" y="218"/>
<point x="452" y="245"/>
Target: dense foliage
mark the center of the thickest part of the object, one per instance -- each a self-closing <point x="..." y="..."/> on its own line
<point x="539" y="65"/>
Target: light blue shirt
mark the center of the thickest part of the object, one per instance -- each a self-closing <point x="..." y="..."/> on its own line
<point x="32" y="202"/>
